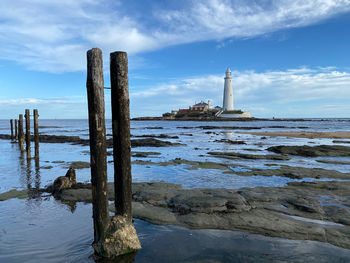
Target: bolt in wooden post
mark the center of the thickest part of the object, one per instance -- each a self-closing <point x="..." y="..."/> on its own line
<point x="98" y="159"/>
<point x="11" y="124"/>
<point x="121" y="133"/>
<point x="16" y="130"/>
<point x="27" y="116"/>
<point x="20" y="133"/>
<point x="36" y="133"/>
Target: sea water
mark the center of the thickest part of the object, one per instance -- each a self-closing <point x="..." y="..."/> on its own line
<point x="41" y="229"/>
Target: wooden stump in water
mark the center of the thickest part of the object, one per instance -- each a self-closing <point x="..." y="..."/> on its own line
<point x="20" y="133"/>
<point x="16" y="130"/>
<point x="36" y="133"/>
<point x="98" y="155"/>
<point x="27" y="117"/>
<point x="11" y="124"/>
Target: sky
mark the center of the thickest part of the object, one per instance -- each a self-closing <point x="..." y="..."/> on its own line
<point x="289" y="58"/>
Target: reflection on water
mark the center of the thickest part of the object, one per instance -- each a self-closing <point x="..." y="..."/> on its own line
<point x="29" y="175"/>
<point x="47" y="231"/>
<point x="40" y="229"/>
<point x="37" y="174"/>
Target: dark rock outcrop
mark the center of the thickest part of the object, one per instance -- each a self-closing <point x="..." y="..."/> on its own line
<point x="64" y="182"/>
<point x="235" y="155"/>
<point x="312" y="151"/>
<point x="151" y="142"/>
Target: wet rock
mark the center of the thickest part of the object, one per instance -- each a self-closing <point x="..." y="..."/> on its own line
<point x="337" y="213"/>
<point x="161" y="136"/>
<point x="76" y="195"/>
<point x="288" y="212"/>
<point x="230" y="141"/>
<point x="297" y="172"/>
<point x="186" y="134"/>
<point x="121" y="238"/>
<point x="64" y="182"/>
<point x="151" y="142"/>
<point x="197" y="201"/>
<point x="227" y="128"/>
<point x="155" y="191"/>
<point x="340" y="141"/>
<point x="46" y="167"/>
<point x="144" y="154"/>
<point x="79" y="165"/>
<point x="333" y="162"/>
<point x="234" y="155"/>
<point x="305" y="205"/>
<point x="312" y="151"/>
<point x="158" y="215"/>
<point x="14" y="194"/>
<point x="192" y="165"/>
<point x="55" y="139"/>
<point x="252" y="150"/>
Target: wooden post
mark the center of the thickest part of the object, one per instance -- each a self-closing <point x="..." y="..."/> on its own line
<point x="20" y="133"/>
<point x="27" y="116"/>
<point x="121" y="133"/>
<point x="36" y="133"/>
<point x="16" y="130"/>
<point x="11" y="124"/>
<point x="98" y="159"/>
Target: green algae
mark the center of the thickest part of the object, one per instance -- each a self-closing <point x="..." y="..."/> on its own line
<point x="14" y="194"/>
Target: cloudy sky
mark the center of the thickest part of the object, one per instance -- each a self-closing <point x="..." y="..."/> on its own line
<point x="290" y="58"/>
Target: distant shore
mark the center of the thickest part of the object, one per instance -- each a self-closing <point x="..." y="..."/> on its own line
<point x="223" y="119"/>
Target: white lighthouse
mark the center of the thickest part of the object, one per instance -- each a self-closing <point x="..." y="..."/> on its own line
<point x="227" y="110"/>
<point x="228" y="93"/>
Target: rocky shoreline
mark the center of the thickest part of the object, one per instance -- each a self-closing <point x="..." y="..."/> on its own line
<point x="317" y="211"/>
<point x="76" y="140"/>
<point x="302" y="134"/>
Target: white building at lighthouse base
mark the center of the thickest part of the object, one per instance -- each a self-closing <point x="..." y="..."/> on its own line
<point x="227" y="114"/>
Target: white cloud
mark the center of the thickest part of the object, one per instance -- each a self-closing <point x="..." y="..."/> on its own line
<point x="63" y="107"/>
<point x="54" y="35"/>
<point x="300" y="92"/>
<point x="271" y="93"/>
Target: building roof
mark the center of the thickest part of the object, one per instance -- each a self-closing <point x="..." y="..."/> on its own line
<point x="202" y="103"/>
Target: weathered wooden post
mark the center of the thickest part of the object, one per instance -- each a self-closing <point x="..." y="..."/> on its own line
<point x="36" y="133"/>
<point x="121" y="141"/>
<point x="121" y="133"/>
<point x="20" y="133"/>
<point x="27" y="117"/>
<point x="16" y="130"/>
<point x="98" y="159"/>
<point x="11" y="124"/>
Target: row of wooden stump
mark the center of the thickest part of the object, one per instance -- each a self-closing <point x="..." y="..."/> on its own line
<point x="17" y="133"/>
<point x="115" y="235"/>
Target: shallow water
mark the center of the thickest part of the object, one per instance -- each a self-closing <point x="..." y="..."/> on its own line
<point x="40" y="229"/>
<point x="45" y="230"/>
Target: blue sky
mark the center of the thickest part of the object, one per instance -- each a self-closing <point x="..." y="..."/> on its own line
<point x="289" y="58"/>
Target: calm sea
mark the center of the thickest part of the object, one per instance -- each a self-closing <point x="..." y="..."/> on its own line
<point x="42" y="229"/>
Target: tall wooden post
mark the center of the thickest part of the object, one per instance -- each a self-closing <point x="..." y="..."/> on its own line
<point x="36" y="133"/>
<point x="27" y="116"/>
<point x="11" y="124"/>
<point x="20" y="133"/>
<point x="16" y="130"/>
<point x="98" y="159"/>
<point x="121" y="133"/>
